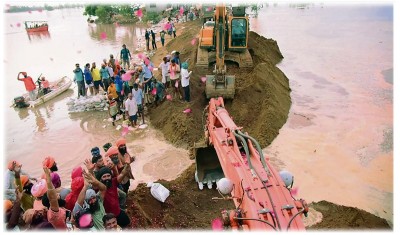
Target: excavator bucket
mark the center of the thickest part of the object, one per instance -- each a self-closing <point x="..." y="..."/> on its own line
<point x="208" y="168"/>
<point x="215" y="89"/>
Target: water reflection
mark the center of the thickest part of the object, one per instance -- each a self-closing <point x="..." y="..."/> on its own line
<point x="22" y="112"/>
<point x="38" y="36"/>
<point x="126" y="34"/>
<point x="40" y="121"/>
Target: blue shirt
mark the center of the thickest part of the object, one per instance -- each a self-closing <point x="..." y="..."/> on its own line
<point x="118" y="83"/>
<point x="104" y="73"/>
<point x="88" y="76"/>
<point x="138" y="95"/>
<point x="146" y="71"/>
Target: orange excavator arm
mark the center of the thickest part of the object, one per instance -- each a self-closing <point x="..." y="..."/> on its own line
<point x="262" y="199"/>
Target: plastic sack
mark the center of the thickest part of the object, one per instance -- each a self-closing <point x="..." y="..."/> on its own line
<point x="158" y="191"/>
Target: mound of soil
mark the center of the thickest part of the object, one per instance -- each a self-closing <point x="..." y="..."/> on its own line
<point x="261" y="106"/>
<point x="262" y="96"/>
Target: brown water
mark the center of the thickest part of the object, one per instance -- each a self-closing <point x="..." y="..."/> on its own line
<point x="337" y="141"/>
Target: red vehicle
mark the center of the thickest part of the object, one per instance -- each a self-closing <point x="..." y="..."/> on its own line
<point x="235" y="160"/>
<point x="36" y="26"/>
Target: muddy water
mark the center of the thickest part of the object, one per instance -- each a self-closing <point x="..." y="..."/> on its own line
<point x="338" y="139"/>
<point x="32" y="134"/>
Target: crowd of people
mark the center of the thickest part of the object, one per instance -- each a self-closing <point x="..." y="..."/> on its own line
<point x="130" y="87"/>
<point x="95" y="201"/>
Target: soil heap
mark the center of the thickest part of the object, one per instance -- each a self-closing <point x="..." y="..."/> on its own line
<point x="261" y="106"/>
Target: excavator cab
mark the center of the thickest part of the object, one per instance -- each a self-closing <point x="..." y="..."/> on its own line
<point x="225" y="38"/>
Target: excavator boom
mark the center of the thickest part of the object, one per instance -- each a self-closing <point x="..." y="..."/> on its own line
<point x="262" y="199"/>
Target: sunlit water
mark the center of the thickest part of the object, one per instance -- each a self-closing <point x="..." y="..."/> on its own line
<point x="337" y="141"/>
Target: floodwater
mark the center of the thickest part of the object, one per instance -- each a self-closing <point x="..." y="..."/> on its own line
<point x="49" y="130"/>
<point x="338" y="138"/>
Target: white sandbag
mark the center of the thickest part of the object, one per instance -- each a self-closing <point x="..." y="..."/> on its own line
<point x="158" y="191"/>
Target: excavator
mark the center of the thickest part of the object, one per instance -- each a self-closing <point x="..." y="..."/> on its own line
<point x="235" y="162"/>
<point x="225" y="38"/>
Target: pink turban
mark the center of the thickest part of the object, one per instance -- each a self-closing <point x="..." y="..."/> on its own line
<point x="39" y="188"/>
<point x="85" y="220"/>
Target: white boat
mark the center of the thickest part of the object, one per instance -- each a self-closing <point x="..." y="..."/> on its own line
<point x="56" y="88"/>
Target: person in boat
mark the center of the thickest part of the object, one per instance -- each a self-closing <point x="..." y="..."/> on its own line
<point x="29" y="85"/>
<point x="46" y="85"/>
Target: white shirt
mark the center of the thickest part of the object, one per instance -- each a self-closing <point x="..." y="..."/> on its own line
<point x="185" y="77"/>
<point x="164" y="68"/>
<point x="131" y="106"/>
<point x="110" y="71"/>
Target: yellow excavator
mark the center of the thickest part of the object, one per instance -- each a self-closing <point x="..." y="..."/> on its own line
<point x="224" y="38"/>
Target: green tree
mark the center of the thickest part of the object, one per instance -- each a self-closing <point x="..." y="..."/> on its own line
<point x="105" y="13"/>
<point x="90" y="10"/>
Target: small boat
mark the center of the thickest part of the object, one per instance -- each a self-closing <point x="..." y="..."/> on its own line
<point x="36" y="26"/>
<point x="56" y="88"/>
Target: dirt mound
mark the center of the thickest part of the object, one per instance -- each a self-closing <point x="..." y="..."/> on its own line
<point x="261" y="106"/>
<point x="262" y="97"/>
<point x="336" y="217"/>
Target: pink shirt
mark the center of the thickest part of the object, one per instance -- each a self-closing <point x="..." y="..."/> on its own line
<point x="57" y="218"/>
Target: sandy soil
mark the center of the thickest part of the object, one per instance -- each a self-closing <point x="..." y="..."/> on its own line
<point x="261" y="107"/>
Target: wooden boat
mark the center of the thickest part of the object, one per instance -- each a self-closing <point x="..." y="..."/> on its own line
<point x="36" y="26"/>
<point x="56" y="88"/>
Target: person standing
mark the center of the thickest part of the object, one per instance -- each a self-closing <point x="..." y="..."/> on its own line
<point x="175" y="70"/>
<point x="125" y="57"/>
<point x="173" y="29"/>
<point x="138" y="94"/>
<point x="153" y="40"/>
<point x="105" y="77"/>
<point x="29" y="85"/>
<point x="185" y="80"/>
<point x="131" y="109"/>
<point x="162" y="37"/>
<point x="80" y="81"/>
<point x="147" y="37"/>
<point x="164" y="66"/>
<point x="88" y="78"/>
<point x="96" y="78"/>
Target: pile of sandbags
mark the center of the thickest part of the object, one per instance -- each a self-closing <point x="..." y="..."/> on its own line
<point x="87" y="103"/>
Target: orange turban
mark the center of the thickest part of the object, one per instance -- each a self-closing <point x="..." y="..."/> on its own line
<point x="112" y="151"/>
<point x="10" y="164"/>
<point x="24" y="180"/>
<point x="7" y="205"/>
<point x="48" y="162"/>
<point x="120" y="142"/>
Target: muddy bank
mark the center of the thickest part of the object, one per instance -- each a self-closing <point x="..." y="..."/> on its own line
<point x="261" y="106"/>
<point x="261" y="102"/>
